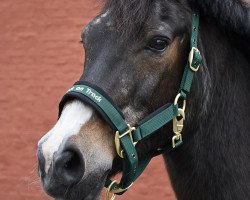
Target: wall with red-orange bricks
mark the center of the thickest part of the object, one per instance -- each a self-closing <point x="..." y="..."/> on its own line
<point x="40" y="57"/>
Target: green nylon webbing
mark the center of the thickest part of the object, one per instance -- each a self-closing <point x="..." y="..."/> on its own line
<point x="141" y="167"/>
<point x="188" y="74"/>
<point x="195" y="30"/>
<point x="156" y="122"/>
<point x="131" y="157"/>
<point x="114" y="116"/>
<point x="132" y="168"/>
<point x="162" y="118"/>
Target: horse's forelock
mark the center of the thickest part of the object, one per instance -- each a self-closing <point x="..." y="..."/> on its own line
<point x="129" y="16"/>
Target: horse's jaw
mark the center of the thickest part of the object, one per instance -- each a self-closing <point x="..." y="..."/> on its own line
<point x="90" y="197"/>
<point x="94" y="195"/>
<point x="87" y="198"/>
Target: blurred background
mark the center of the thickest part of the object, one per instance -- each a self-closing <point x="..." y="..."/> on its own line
<point x="40" y="58"/>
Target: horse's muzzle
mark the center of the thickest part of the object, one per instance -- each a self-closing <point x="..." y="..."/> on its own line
<point x="67" y="169"/>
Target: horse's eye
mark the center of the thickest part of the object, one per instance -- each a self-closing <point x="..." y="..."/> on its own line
<point x="158" y="44"/>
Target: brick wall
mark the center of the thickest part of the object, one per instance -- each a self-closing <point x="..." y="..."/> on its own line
<point x="40" y="57"/>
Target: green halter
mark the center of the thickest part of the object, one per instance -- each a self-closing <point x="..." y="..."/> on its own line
<point x="126" y="137"/>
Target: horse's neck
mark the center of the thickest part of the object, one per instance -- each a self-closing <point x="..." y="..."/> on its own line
<point x="214" y="161"/>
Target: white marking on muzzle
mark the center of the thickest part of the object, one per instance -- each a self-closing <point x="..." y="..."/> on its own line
<point x="73" y="117"/>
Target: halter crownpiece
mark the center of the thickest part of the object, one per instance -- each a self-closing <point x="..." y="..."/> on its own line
<point x="126" y="136"/>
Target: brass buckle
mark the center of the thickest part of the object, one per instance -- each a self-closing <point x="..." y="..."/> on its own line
<point x="176" y="139"/>
<point x="115" y="190"/>
<point x="119" y="149"/>
<point x="191" y="57"/>
<point x="178" y="124"/>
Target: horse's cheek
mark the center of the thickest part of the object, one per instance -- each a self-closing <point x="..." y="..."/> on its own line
<point x="96" y="143"/>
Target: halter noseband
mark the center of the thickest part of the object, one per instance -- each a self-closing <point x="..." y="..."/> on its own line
<point x="126" y="136"/>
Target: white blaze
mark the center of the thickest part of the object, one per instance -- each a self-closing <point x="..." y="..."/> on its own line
<point x="73" y="117"/>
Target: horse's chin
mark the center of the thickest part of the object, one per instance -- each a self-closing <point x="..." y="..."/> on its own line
<point x="87" y="189"/>
<point x="92" y="195"/>
<point x="87" y="198"/>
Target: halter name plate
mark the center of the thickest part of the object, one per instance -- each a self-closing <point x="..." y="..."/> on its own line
<point x="88" y="92"/>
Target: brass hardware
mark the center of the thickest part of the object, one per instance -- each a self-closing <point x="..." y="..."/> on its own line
<point x="108" y="192"/>
<point x="177" y="127"/>
<point x="115" y="190"/>
<point x="175" y="139"/>
<point x="119" y="190"/>
<point x="176" y="102"/>
<point x="191" y="57"/>
<point x="119" y="149"/>
<point x="178" y="122"/>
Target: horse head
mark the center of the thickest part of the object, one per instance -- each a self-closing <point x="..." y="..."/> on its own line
<point x="138" y="60"/>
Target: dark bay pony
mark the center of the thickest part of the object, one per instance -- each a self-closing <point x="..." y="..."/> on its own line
<point x="136" y="51"/>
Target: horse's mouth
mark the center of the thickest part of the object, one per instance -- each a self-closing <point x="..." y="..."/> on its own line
<point x="92" y="195"/>
<point x="79" y="192"/>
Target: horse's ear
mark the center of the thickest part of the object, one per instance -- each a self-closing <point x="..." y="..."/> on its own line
<point x="234" y="16"/>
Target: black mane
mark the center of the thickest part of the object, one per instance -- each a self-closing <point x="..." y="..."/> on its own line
<point x="232" y="15"/>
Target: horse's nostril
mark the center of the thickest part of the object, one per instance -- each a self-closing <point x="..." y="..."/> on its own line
<point x="72" y="162"/>
<point x="69" y="166"/>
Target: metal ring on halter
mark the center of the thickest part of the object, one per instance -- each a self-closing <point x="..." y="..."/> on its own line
<point x="176" y="140"/>
<point x="108" y="191"/>
<point x="115" y="190"/>
<point x="177" y="99"/>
